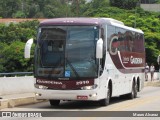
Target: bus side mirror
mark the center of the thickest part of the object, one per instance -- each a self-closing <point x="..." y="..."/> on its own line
<point x="158" y="60"/>
<point x="99" y="49"/>
<point x="27" y="49"/>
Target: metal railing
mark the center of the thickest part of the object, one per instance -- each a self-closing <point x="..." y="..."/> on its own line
<point x="14" y="74"/>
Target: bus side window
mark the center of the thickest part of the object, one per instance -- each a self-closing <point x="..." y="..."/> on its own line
<point x="130" y="41"/>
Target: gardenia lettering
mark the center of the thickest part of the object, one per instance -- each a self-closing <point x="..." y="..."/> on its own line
<point x="135" y="60"/>
<point x="49" y="82"/>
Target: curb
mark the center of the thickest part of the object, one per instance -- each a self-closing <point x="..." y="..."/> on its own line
<point x="10" y="103"/>
<point x="155" y="83"/>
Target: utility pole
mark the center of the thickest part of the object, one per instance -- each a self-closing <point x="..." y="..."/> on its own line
<point x="22" y="6"/>
<point x="137" y="5"/>
<point x="77" y="2"/>
<point x="67" y="8"/>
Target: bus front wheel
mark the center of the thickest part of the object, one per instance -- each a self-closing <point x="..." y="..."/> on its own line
<point x="105" y="102"/>
<point x="54" y="102"/>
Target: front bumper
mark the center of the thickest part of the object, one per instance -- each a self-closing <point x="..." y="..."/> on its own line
<point x="67" y="94"/>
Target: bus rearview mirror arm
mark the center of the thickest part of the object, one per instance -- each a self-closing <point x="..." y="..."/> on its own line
<point x="27" y="50"/>
<point x="99" y="49"/>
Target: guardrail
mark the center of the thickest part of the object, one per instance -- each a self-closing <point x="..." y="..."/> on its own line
<point x="11" y="74"/>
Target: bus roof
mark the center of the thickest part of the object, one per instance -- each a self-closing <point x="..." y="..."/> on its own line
<point x="87" y="21"/>
<point x="72" y="21"/>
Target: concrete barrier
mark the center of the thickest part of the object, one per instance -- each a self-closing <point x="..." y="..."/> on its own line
<point x="16" y="85"/>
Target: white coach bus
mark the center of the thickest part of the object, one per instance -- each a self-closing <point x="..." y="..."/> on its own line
<point x="90" y="59"/>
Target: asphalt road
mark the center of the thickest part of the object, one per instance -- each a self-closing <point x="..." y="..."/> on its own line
<point x="148" y="100"/>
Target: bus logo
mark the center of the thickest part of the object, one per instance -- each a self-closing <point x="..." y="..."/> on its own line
<point x="67" y="73"/>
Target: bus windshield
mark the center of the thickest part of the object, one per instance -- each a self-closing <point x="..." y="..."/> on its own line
<point x="66" y="51"/>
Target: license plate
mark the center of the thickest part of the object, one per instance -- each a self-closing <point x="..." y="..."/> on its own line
<point x="82" y="97"/>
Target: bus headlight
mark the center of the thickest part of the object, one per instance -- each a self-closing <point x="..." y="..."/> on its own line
<point x="89" y="87"/>
<point x="40" y="86"/>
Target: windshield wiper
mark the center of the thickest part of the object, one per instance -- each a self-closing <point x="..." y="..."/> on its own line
<point x="71" y="66"/>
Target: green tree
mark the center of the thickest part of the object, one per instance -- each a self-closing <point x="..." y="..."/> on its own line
<point x="76" y="8"/>
<point x="19" y="14"/>
<point x="2" y="60"/>
<point x="9" y="7"/>
<point x="21" y="32"/>
<point x="13" y="58"/>
<point x="13" y="39"/>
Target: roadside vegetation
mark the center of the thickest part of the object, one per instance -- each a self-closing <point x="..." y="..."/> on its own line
<point x="13" y="36"/>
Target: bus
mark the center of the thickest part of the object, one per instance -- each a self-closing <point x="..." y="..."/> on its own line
<point x="87" y="59"/>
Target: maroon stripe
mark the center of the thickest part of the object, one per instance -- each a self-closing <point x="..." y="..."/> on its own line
<point x="67" y="84"/>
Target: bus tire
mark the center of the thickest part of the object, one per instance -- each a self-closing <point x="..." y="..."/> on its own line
<point x="133" y="93"/>
<point x="54" y="102"/>
<point x="105" y="102"/>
